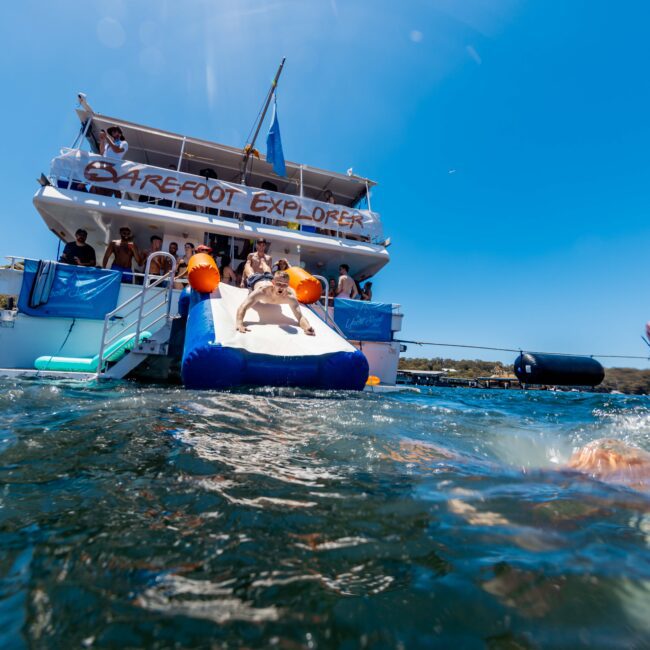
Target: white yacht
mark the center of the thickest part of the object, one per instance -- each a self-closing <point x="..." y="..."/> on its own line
<point x="184" y="190"/>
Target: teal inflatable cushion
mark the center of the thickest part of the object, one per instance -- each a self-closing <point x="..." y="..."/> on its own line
<point x="113" y="353"/>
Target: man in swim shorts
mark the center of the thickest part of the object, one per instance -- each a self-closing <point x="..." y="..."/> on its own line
<point x="258" y="262"/>
<point x="273" y="290"/>
<point x="124" y="252"/>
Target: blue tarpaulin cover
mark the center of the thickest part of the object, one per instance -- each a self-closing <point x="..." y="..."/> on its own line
<point x="361" y="320"/>
<point x="74" y="291"/>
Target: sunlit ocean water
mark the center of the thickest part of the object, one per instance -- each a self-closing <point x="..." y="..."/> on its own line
<point x="151" y="517"/>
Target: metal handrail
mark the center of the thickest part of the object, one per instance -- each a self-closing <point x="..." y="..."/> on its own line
<point x="325" y="282"/>
<point x="325" y="316"/>
<point x="15" y="259"/>
<point x="168" y="286"/>
<point x="167" y="282"/>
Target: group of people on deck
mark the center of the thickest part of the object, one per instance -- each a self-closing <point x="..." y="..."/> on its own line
<point x="266" y="282"/>
<point x="258" y="265"/>
<point x="125" y="253"/>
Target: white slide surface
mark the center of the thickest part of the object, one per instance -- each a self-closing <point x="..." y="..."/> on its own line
<point x="273" y="328"/>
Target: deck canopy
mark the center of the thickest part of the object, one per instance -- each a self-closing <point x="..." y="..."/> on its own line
<point x="152" y="146"/>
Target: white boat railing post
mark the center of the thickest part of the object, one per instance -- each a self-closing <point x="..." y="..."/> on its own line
<point x="102" y="345"/>
<point x="78" y="141"/>
<point x="178" y="166"/>
<point x="325" y="282"/>
<point x="82" y="134"/>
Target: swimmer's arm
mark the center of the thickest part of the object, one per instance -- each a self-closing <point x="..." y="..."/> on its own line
<point x="251" y="299"/>
<point x="302" y="321"/>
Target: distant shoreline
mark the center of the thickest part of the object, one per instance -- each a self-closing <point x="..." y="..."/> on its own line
<point x="631" y="381"/>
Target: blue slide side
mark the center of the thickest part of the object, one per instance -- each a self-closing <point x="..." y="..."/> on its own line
<point x="210" y="365"/>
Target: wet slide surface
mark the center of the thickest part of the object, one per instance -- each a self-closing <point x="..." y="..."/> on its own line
<point x="274" y="352"/>
<point x="273" y="328"/>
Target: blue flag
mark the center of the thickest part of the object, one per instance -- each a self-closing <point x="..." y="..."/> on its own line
<point x="274" y="153"/>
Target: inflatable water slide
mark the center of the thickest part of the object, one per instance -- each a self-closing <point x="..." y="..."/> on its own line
<point x="274" y="352"/>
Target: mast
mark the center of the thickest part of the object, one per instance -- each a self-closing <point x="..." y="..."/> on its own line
<point x="248" y="149"/>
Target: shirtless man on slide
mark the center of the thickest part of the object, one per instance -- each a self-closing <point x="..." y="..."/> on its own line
<point x="273" y="292"/>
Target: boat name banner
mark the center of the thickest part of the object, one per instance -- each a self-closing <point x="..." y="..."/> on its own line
<point x="127" y="176"/>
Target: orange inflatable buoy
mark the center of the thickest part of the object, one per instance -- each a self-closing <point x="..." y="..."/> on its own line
<point x="373" y="380"/>
<point x="202" y="273"/>
<point x="308" y="289"/>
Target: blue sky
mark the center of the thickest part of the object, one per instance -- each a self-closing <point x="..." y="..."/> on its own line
<point x="510" y="139"/>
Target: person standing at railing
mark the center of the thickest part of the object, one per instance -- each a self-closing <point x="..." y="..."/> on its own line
<point x="281" y="265"/>
<point x="328" y="197"/>
<point x="181" y="271"/>
<point x="159" y="265"/>
<point x="346" y="286"/>
<point x="366" y="292"/>
<point x="228" y="276"/>
<point x="112" y="144"/>
<point x="124" y="251"/>
<point x="257" y="264"/>
<point x="173" y="250"/>
<point x="78" y="252"/>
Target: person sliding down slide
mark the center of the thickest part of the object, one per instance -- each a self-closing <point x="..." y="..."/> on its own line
<point x="274" y="290"/>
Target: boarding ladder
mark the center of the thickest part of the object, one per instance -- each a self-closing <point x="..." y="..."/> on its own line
<point x="136" y="317"/>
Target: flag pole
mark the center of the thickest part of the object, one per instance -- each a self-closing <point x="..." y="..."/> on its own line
<point x="248" y="149"/>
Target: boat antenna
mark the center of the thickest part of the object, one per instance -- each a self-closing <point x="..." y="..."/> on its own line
<point x="250" y="147"/>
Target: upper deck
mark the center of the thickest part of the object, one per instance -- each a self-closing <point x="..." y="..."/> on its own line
<point x="195" y="190"/>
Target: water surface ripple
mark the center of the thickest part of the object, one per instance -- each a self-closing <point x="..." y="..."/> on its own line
<point x="147" y="517"/>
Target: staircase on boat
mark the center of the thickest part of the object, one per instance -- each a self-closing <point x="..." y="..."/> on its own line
<point x="141" y="316"/>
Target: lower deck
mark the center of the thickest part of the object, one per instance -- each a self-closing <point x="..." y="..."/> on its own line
<point x="25" y="338"/>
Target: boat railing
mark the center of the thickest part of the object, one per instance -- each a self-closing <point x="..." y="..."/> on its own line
<point x="15" y="262"/>
<point x="68" y="180"/>
<point x="137" y="279"/>
<point x="146" y="309"/>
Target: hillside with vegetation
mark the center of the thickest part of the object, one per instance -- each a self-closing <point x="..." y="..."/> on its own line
<point x="465" y="368"/>
<point x="625" y="380"/>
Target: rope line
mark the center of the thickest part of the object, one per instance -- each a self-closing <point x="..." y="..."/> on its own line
<point x="248" y="137"/>
<point x="520" y="350"/>
<point x="65" y="340"/>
